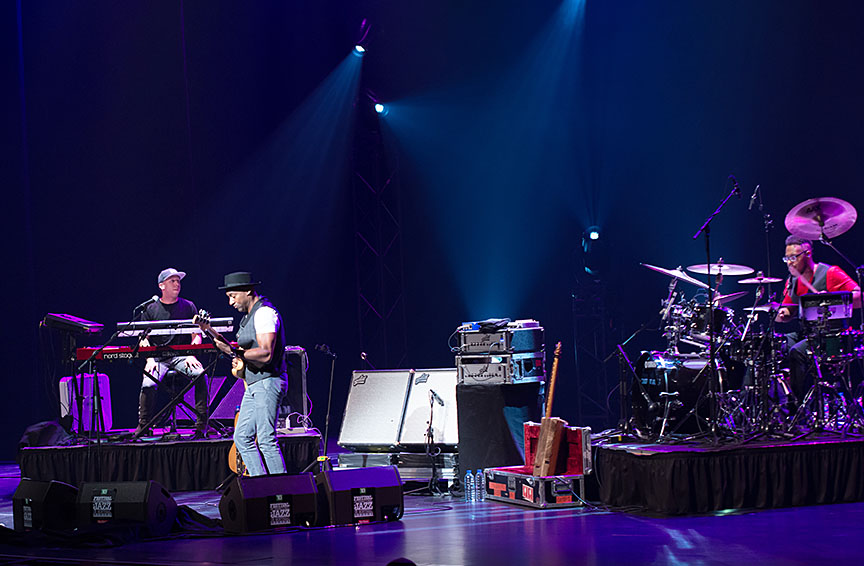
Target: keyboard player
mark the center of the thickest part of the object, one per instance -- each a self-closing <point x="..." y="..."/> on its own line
<point x="171" y="306"/>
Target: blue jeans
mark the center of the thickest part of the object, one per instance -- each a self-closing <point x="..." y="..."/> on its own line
<point x="257" y="421"/>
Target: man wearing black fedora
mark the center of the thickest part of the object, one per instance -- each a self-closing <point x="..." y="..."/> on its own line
<point x="260" y="348"/>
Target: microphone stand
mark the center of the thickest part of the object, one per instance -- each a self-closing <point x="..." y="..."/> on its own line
<point x="432" y="451"/>
<point x="96" y="413"/>
<point x="712" y="353"/>
<point x="324" y="459"/>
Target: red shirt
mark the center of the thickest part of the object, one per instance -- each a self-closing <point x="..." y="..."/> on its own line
<point x="835" y="280"/>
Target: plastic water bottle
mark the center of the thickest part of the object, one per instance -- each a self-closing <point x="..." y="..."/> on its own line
<point x="468" y="488"/>
<point x="480" y="486"/>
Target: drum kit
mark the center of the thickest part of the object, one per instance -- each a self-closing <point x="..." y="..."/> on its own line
<point x="726" y="372"/>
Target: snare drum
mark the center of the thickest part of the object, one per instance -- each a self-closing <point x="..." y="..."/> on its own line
<point x="844" y="345"/>
<point x="698" y="328"/>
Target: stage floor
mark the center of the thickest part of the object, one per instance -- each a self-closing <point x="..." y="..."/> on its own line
<point x="441" y="531"/>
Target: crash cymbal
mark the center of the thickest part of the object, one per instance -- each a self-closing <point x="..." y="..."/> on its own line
<point x="760" y="280"/>
<point x="827" y="215"/>
<point x="767" y="307"/>
<point x="677" y="274"/>
<point x="723" y="299"/>
<point x="720" y="268"/>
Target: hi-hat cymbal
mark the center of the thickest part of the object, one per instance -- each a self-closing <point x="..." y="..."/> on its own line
<point x="767" y="307"/>
<point x="720" y="268"/>
<point x="827" y="215"/>
<point x="760" y="280"/>
<point x="723" y="299"/>
<point x="677" y="274"/>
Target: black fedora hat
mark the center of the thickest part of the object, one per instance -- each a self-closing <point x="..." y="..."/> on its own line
<point x="239" y="279"/>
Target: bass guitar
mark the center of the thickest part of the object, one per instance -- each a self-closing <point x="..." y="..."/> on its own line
<point x="238" y="366"/>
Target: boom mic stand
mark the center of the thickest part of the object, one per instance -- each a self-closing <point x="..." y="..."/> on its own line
<point x="96" y="414"/>
<point x="324" y="459"/>
<point x="712" y="353"/>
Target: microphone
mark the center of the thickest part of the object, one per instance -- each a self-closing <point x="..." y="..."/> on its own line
<point x="753" y="198"/>
<point x="437" y="398"/>
<point x="735" y="185"/>
<point x="149" y="301"/>
<point x="325" y="349"/>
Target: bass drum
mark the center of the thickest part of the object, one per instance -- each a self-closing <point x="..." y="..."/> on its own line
<point x="669" y="394"/>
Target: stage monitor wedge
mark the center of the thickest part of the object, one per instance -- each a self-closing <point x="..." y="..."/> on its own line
<point x="133" y="502"/>
<point x="359" y="495"/>
<point x="44" y="505"/>
<point x="262" y="503"/>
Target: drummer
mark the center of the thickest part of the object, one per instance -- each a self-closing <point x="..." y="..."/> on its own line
<point x="821" y="277"/>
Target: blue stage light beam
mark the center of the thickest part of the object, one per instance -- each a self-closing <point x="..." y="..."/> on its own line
<point x="502" y="183"/>
<point x="300" y="172"/>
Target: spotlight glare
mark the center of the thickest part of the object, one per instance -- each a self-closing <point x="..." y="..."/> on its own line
<point x="359" y="49"/>
<point x="380" y="108"/>
<point x="593" y="233"/>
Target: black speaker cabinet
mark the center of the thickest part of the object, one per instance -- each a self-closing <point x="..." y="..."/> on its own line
<point x="137" y="502"/>
<point x="359" y="495"/>
<point x="44" y="505"/>
<point x="490" y="423"/>
<point x="266" y="502"/>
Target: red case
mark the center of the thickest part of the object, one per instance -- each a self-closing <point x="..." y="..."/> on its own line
<point x="516" y="484"/>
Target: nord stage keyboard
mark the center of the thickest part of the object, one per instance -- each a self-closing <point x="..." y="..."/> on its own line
<point x="114" y="353"/>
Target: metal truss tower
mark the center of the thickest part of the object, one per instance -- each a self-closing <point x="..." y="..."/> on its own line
<point x="378" y="252"/>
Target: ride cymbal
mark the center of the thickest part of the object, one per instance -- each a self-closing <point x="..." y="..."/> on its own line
<point x="720" y="269"/>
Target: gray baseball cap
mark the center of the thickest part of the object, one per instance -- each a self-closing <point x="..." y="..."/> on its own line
<point x="170" y="272"/>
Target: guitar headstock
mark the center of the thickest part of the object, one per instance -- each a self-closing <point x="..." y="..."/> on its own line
<point x="203" y="317"/>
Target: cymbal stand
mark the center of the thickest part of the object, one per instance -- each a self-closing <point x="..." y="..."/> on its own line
<point x="816" y="393"/>
<point x="625" y="422"/>
<point x="859" y="270"/>
<point x="712" y="353"/>
<point x="766" y="373"/>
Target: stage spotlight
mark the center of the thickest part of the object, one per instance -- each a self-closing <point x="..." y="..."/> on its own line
<point x="359" y="50"/>
<point x="593" y="233"/>
<point x="380" y="109"/>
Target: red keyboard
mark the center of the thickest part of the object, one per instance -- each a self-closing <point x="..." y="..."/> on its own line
<point x="113" y="353"/>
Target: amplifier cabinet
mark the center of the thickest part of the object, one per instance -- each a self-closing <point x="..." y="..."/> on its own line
<point x="504" y="341"/>
<point x="390" y="410"/>
<point x="503" y="369"/>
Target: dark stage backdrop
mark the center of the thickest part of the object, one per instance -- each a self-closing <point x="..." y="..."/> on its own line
<point x="195" y="134"/>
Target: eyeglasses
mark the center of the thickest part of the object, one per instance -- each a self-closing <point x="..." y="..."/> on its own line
<point x="791" y="258"/>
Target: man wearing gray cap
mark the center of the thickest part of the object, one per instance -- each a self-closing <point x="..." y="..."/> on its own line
<point x="171" y="306"/>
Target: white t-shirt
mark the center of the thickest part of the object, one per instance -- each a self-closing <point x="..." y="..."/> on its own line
<point x="265" y="320"/>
